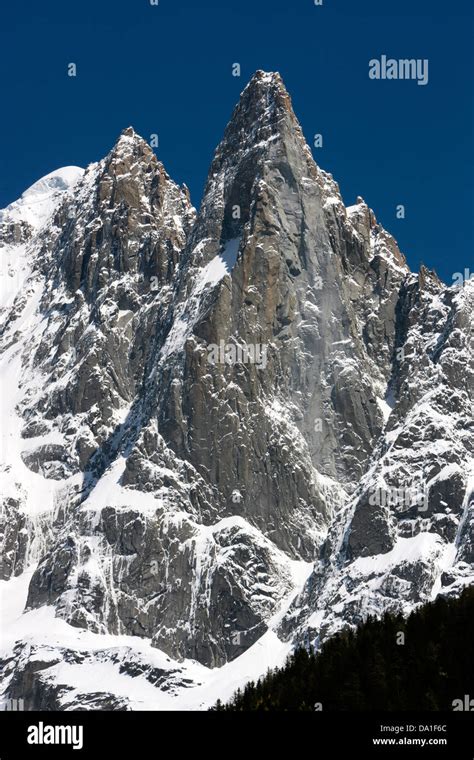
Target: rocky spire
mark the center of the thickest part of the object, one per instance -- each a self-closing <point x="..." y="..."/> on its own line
<point x="263" y="113"/>
<point x="130" y="212"/>
<point x="262" y="136"/>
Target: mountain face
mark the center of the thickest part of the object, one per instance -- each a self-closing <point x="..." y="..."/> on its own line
<point x="224" y="432"/>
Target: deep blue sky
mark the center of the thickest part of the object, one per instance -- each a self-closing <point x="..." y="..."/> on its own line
<point x="167" y="69"/>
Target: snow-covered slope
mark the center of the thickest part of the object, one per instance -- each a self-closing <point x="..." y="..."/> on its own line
<point x="39" y="201"/>
<point x="224" y="431"/>
<point x="23" y="219"/>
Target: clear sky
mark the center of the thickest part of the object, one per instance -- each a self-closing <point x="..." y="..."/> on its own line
<point x="167" y="69"/>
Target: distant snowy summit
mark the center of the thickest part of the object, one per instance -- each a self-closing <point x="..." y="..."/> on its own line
<point x="37" y="202"/>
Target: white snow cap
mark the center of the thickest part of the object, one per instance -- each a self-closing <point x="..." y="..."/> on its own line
<point x="37" y="202"/>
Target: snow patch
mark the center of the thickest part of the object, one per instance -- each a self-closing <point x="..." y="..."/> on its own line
<point x="38" y="202"/>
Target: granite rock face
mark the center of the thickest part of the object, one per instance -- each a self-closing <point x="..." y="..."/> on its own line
<point x="206" y="407"/>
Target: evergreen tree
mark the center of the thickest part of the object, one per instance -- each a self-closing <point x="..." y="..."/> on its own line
<point x="375" y="668"/>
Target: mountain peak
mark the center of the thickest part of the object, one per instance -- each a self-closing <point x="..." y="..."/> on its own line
<point x="37" y="201"/>
<point x="262" y="115"/>
<point x="129" y="156"/>
<point x="264" y="94"/>
<point x="130" y="140"/>
<point x="270" y="79"/>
